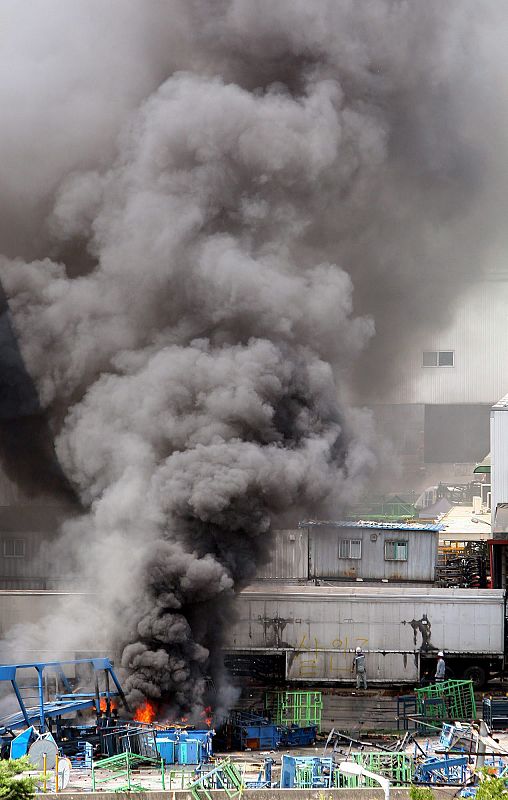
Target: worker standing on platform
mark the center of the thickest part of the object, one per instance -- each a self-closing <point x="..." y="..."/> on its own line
<point x="359" y="668"/>
<point x="440" y="668"/>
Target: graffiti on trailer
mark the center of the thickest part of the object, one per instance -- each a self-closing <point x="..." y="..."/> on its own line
<point x="347" y="645"/>
<point x="273" y="628"/>
<point x="307" y="662"/>
<point x="422" y="626"/>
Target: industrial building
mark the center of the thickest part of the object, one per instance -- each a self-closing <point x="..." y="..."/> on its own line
<point x="308" y="631"/>
<point x="435" y="409"/>
<point x="35" y="497"/>
<point x="29" y="528"/>
<point x="329" y="587"/>
<point x="324" y="588"/>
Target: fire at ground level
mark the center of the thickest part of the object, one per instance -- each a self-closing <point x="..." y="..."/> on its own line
<point x="80" y="735"/>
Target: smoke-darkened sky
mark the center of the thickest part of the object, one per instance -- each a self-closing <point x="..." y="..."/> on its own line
<point x="221" y="220"/>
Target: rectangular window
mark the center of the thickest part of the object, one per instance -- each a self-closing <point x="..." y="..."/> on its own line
<point x="438" y="358"/>
<point x="350" y="548"/>
<point x="430" y="358"/>
<point x="445" y="358"/>
<point x="395" y="550"/>
<point x="12" y="548"/>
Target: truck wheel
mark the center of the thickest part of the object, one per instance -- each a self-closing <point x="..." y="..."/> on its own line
<point x="476" y="674"/>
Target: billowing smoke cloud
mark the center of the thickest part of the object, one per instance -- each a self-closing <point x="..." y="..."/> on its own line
<point x="181" y="278"/>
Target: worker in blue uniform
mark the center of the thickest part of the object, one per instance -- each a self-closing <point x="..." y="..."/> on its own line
<point x="440" y="667"/>
<point x="359" y="668"/>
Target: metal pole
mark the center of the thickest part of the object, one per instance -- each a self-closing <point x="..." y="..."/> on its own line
<point x="56" y="773"/>
<point x="41" y="697"/>
<point x="118" y="687"/>
<point x="21" y="703"/>
<point x="481" y="748"/>
<point x="108" y="693"/>
<point x="97" y="693"/>
<point x="44" y="760"/>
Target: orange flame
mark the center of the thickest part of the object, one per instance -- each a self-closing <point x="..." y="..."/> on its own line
<point x="207" y="716"/>
<point x="146" y="712"/>
<point x="104" y="704"/>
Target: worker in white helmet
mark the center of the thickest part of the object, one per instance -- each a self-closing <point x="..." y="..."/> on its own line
<point x="359" y="668"/>
<point x="440" y="667"/>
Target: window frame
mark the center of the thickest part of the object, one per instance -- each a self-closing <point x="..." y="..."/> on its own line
<point x="428" y="353"/>
<point x="438" y="354"/>
<point x="17" y="544"/>
<point x="405" y="542"/>
<point x="350" y="542"/>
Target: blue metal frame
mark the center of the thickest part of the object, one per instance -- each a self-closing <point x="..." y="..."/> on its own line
<point x="449" y="769"/>
<point x="63" y="703"/>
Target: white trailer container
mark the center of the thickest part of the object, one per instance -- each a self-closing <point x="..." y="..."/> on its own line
<point x="316" y="628"/>
<point x="499" y="453"/>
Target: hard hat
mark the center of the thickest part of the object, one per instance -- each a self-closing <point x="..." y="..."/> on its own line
<point x="440" y="654"/>
<point x="358" y="649"/>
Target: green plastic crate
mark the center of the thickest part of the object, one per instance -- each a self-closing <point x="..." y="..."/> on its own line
<point x="449" y="700"/>
<point x="295" y="708"/>
<point x="397" y="767"/>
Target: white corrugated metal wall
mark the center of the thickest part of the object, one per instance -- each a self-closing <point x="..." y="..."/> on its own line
<point x="324" y="561"/>
<point x="499" y="454"/>
<point x="476" y="331"/>
<point x="288" y="557"/>
<point x="320" y="626"/>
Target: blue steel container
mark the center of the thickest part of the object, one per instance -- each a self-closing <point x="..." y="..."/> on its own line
<point x="189" y="751"/>
<point x="298" y="736"/>
<point x="205" y="737"/>
<point x="166" y="748"/>
<point x="259" y="737"/>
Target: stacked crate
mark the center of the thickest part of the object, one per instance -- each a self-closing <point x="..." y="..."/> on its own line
<point x="449" y="700"/>
<point x="495" y="712"/>
<point x="398" y="768"/>
<point x="303" y="709"/>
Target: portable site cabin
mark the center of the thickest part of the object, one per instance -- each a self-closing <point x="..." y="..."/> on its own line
<point x="353" y="551"/>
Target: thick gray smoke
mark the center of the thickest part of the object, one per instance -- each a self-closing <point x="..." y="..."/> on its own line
<point x="224" y="174"/>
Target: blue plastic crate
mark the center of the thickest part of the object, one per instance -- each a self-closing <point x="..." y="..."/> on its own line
<point x="306" y="772"/>
<point x="495" y="712"/>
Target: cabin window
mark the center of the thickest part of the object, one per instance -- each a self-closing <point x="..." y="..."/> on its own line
<point x="438" y="358"/>
<point x="350" y="548"/>
<point x="395" y="550"/>
<point x="12" y="548"/>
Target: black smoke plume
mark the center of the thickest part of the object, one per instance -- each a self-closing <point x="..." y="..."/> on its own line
<point x="206" y="184"/>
